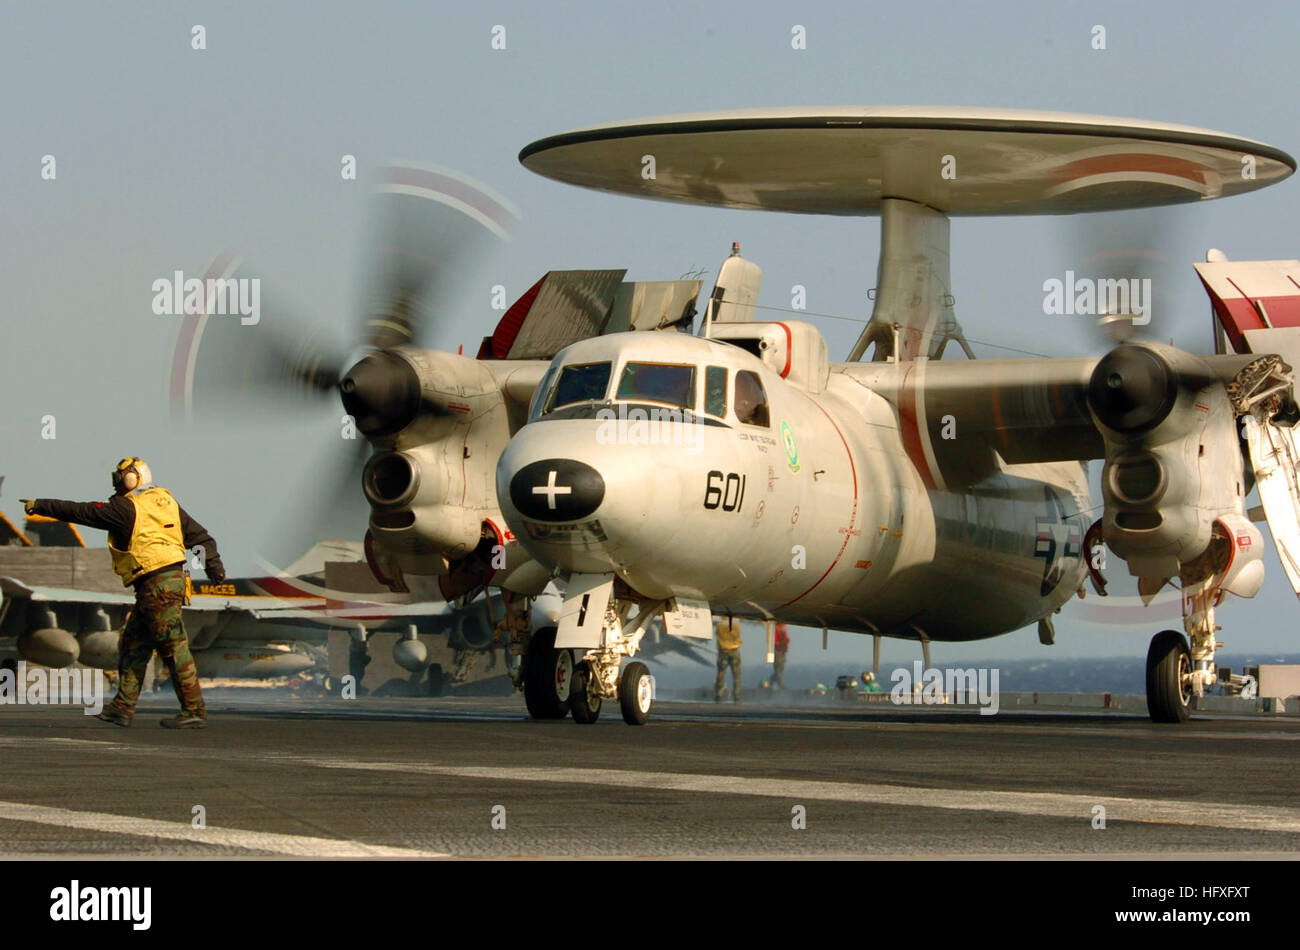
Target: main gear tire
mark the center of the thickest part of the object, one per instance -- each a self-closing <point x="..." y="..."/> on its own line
<point x="548" y="677"/>
<point x="586" y="702"/>
<point x="636" y="694"/>
<point x="1169" y="667"/>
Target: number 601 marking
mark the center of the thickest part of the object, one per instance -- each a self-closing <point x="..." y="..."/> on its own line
<point x="725" y="491"/>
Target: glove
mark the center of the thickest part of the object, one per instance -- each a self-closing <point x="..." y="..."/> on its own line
<point x="216" y="575"/>
<point x="29" y="506"/>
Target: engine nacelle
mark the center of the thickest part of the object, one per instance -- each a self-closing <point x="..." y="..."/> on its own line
<point x="415" y="514"/>
<point x="439" y="423"/>
<point x="1173" y="461"/>
<point x="1244" y="575"/>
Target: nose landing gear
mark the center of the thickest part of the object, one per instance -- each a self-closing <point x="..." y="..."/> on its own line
<point x="1178" y="667"/>
<point x="586" y="694"/>
<point x="562" y="681"/>
<point x="636" y="693"/>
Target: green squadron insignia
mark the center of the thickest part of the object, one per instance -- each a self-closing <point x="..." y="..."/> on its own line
<point x="791" y="450"/>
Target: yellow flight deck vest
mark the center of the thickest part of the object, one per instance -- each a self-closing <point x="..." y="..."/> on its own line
<point x="729" y="634"/>
<point x="156" y="541"/>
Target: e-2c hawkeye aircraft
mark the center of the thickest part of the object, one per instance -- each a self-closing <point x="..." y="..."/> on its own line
<point x="739" y="471"/>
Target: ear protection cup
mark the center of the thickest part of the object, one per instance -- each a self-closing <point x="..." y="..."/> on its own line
<point x="130" y="474"/>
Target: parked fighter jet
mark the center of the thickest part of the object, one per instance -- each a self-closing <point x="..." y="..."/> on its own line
<point x="59" y="604"/>
<point x="664" y="474"/>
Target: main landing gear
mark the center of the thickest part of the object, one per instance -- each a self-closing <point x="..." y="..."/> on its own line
<point x="1169" y="677"/>
<point x="577" y="682"/>
<point x="1180" y="668"/>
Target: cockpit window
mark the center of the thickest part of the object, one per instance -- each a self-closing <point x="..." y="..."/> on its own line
<point x="581" y="382"/>
<point x="751" y="401"/>
<point x="670" y="383"/>
<point x="715" y="391"/>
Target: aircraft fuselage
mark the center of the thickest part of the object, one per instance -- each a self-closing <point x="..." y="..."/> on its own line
<point x="817" y="512"/>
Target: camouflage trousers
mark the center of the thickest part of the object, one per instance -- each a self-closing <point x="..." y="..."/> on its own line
<point x="778" y="668"/>
<point x="155" y="624"/>
<point x="727" y="658"/>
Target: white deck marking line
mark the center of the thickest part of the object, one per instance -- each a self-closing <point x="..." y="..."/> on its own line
<point x="1044" y="804"/>
<point x="298" y="846"/>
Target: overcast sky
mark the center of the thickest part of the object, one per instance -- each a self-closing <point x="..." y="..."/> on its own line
<point x="165" y="155"/>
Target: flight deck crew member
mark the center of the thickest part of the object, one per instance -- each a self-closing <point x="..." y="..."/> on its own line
<point x="148" y="535"/>
<point x="728" y="633"/>
<point x="780" y="647"/>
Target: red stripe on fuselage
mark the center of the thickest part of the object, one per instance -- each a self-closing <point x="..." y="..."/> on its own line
<point x="909" y="428"/>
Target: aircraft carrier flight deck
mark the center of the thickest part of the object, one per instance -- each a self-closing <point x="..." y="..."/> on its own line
<point x="475" y="777"/>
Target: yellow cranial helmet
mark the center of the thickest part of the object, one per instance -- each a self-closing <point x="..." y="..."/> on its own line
<point x="131" y="473"/>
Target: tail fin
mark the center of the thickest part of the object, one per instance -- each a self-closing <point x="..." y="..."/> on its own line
<point x="1252" y="296"/>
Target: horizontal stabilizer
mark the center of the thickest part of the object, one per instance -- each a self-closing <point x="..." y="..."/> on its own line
<point x="652" y="305"/>
<point x="563" y="307"/>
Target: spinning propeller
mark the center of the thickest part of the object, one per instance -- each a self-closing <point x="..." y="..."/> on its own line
<point x="434" y="228"/>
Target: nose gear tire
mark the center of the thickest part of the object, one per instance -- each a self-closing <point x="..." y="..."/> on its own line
<point x="585" y="702"/>
<point x="547" y="677"/>
<point x="635" y="694"/>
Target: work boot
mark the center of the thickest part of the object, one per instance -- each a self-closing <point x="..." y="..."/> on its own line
<point x="115" y="716"/>
<point x="184" y="721"/>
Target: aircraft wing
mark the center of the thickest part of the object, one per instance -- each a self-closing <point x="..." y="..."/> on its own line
<point x="257" y="606"/>
<point x="316" y="609"/>
<point x="1023" y="410"/>
<point x="66" y="595"/>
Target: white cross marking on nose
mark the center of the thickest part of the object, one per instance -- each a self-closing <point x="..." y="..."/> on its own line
<point x="550" y="490"/>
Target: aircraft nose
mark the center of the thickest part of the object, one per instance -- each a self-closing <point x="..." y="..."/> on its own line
<point x="557" y="490"/>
